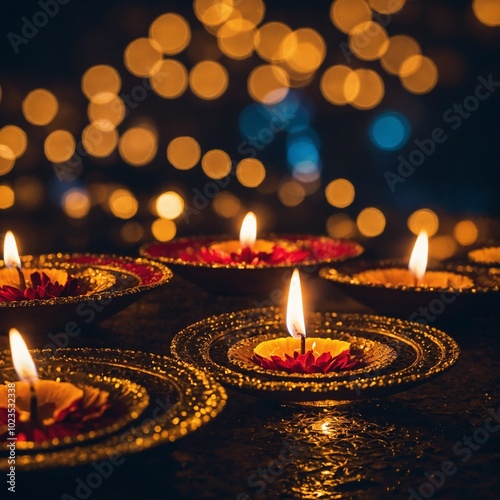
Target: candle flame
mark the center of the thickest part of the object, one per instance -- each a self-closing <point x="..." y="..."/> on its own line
<point x="418" y="259"/>
<point x="21" y="358"/>
<point x="248" y="232"/>
<point x="10" y="253"/>
<point x="295" y="310"/>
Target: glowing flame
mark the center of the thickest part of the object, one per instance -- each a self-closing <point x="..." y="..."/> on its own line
<point x="418" y="259"/>
<point x="295" y="310"/>
<point x="248" y="232"/>
<point x="21" y="358"/>
<point x="10" y="253"/>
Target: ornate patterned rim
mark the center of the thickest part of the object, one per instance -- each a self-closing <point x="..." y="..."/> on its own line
<point x="181" y="399"/>
<point x="148" y="274"/>
<point x="484" y="281"/>
<point x="158" y="251"/>
<point x="422" y="353"/>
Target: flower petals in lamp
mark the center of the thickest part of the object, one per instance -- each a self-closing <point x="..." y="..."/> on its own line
<point x="298" y="354"/>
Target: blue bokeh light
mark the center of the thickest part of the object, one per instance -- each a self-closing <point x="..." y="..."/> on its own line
<point x="390" y="131"/>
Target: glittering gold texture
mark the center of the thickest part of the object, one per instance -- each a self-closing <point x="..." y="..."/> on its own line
<point x="399" y="354"/>
<point x="185" y="399"/>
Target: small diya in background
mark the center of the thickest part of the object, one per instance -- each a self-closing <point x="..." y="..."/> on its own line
<point x="486" y="256"/>
<point x="89" y="404"/>
<point x="41" y="414"/>
<point x="41" y="293"/>
<point x="348" y="357"/>
<point x="249" y="265"/>
<point x="415" y="292"/>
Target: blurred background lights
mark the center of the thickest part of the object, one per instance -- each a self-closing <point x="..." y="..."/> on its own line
<point x="268" y="40"/>
<point x="213" y="12"/>
<point x="291" y="193"/>
<point x="303" y="50"/>
<point x="303" y="157"/>
<point x="122" y="204"/>
<point x="40" y="107"/>
<point x="97" y="142"/>
<point x="164" y="229"/>
<point x="400" y="48"/>
<point x="132" y="232"/>
<point x="340" y="193"/>
<point x="226" y="204"/>
<point x="418" y="74"/>
<point x="6" y="164"/>
<point x="487" y="11"/>
<point x="389" y="131"/>
<point x="100" y="78"/>
<point x="368" y="41"/>
<point x="7" y="197"/>
<point x="387" y="6"/>
<point x="59" y="146"/>
<point x="347" y="14"/>
<point x="250" y="172"/>
<point x="216" y="164"/>
<point x="371" y="222"/>
<point x="76" y="203"/>
<point x="171" y="32"/>
<point x="13" y="142"/>
<point x="268" y="84"/>
<point x="423" y="220"/>
<point x="236" y="38"/>
<point x="169" y="205"/>
<point x="138" y="146"/>
<point x="183" y="152"/>
<point x="466" y="232"/>
<point x="442" y="247"/>
<point x="370" y="88"/>
<point x="333" y="82"/>
<point x="340" y="226"/>
<point x="170" y="80"/>
<point x="250" y="10"/>
<point x="208" y="80"/>
<point x="142" y="57"/>
<point x="30" y="192"/>
<point x="106" y="111"/>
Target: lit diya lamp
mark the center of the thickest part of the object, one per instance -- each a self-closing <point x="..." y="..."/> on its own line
<point x="416" y="276"/>
<point x="486" y="256"/>
<point x="46" y="409"/>
<point x="17" y="283"/>
<point x="298" y="353"/>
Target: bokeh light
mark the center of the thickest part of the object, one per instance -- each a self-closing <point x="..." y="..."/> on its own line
<point x="400" y="48"/>
<point x="466" y="232"/>
<point x="268" y="84"/>
<point x="183" y="152"/>
<point x="213" y="12"/>
<point x="226" y="204"/>
<point x="368" y="41"/>
<point x="487" y="11"/>
<point x="170" y="80"/>
<point x="250" y="10"/>
<point x="169" y="205"/>
<point x="347" y="14"/>
<point x="40" y="107"/>
<point x="442" y="247"/>
<point x="390" y="131"/>
<point x="250" y="172"/>
<point x="164" y="229"/>
<point x="99" y="143"/>
<point x="7" y="197"/>
<point x="291" y="193"/>
<point x="340" y="226"/>
<point x="387" y="6"/>
<point x="340" y="193"/>
<point x="30" y="192"/>
<point x="100" y="78"/>
<point x="13" y="142"/>
<point x="132" y="232"/>
<point x="333" y="85"/>
<point x="6" y="164"/>
<point x="142" y="57"/>
<point x="138" y="146"/>
<point x="418" y="74"/>
<point x="76" y="203"/>
<point x="423" y="220"/>
<point x="208" y="80"/>
<point x="303" y="50"/>
<point x="123" y="203"/>
<point x="59" y="146"/>
<point x="370" y="88"/>
<point x="106" y="111"/>
<point x="216" y="164"/>
<point x="268" y="40"/>
<point x="171" y="32"/>
<point x="236" y="38"/>
<point x="371" y="222"/>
